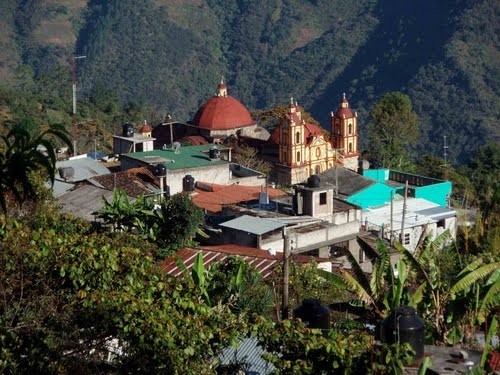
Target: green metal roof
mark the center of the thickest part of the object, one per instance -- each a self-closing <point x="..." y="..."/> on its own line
<point x="187" y="157"/>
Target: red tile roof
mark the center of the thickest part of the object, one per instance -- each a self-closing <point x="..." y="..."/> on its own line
<point x="230" y="194"/>
<point x="262" y="260"/>
<point x="145" y="128"/>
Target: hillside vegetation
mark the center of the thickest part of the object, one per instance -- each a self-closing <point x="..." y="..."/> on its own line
<point x="170" y="54"/>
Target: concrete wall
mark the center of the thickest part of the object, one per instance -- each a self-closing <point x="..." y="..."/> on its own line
<point x="374" y="195"/>
<point x="215" y="174"/>
<point x="437" y="193"/>
<point x="302" y="239"/>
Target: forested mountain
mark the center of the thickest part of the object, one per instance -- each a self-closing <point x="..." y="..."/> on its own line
<point x="171" y="53"/>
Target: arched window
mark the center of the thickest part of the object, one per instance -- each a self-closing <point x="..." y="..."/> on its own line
<point x="318" y="152"/>
<point x="350" y="147"/>
<point x="318" y="169"/>
<point x="298" y="156"/>
<point x="297" y="137"/>
<point x="350" y="128"/>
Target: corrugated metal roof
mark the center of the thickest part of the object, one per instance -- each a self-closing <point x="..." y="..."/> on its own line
<point x="252" y="224"/>
<point x="84" y="168"/>
<point x="261" y="260"/>
<point x="249" y="352"/>
<point x="85" y="200"/>
<point x="59" y="187"/>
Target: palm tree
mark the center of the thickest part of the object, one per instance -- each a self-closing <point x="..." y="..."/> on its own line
<point x="20" y="156"/>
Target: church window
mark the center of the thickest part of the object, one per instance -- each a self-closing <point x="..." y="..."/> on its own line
<point x="318" y="169"/>
<point x="350" y="147"/>
<point x="318" y="152"/>
<point x="298" y="156"/>
<point x="297" y="137"/>
<point x="350" y="128"/>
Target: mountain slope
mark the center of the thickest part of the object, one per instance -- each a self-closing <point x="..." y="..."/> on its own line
<point x="172" y="53"/>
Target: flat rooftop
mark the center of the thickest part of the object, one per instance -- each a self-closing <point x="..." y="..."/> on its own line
<point x="185" y="157"/>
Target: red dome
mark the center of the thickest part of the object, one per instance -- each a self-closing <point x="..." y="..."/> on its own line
<point x="344" y="111"/>
<point x="222" y="113"/>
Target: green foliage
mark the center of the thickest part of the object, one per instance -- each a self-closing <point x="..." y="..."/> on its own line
<point x="393" y="129"/>
<point x="295" y="349"/>
<point x="72" y="291"/>
<point x="177" y="220"/>
<point x="20" y="157"/>
<point x="235" y="282"/>
<point x="391" y="359"/>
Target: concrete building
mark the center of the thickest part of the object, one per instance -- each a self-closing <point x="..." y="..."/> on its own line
<point x="130" y="141"/>
<point x="431" y="189"/>
<point x="196" y="162"/>
<point x="422" y="217"/>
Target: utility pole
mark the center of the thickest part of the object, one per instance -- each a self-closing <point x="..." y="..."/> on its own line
<point x="391" y="238"/>
<point x="404" y="214"/>
<point x="286" y="274"/>
<point x="75" y="132"/>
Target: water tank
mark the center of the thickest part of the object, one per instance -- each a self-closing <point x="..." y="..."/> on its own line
<point x="404" y="325"/>
<point x="67" y="172"/>
<point x="214" y="153"/>
<point x="188" y="183"/>
<point x="313" y="181"/>
<point x="313" y="314"/>
<point x="128" y="130"/>
<point x="160" y="170"/>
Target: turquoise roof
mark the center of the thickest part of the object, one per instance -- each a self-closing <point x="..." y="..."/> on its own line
<point x="187" y="157"/>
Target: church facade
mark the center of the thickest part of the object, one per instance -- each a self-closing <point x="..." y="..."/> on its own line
<point x="306" y="149"/>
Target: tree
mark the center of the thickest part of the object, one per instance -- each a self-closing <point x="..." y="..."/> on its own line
<point x="74" y="301"/>
<point x="21" y="156"/>
<point x="248" y="157"/>
<point x="393" y="129"/>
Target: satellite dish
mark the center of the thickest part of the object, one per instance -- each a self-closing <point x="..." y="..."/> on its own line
<point x="176" y="146"/>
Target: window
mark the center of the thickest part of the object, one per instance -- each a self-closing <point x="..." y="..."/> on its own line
<point x="350" y="147"/>
<point x="322" y="198"/>
<point x="284" y="157"/>
<point x="298" y="156"/>
<point x="318" y="152"/>
<point x="297" y="137"/>
<point x="350" y="128"/>
<point x="318" y="169"/>
<point x="407" y="239"/>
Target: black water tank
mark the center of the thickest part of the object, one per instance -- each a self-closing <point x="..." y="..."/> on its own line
<point x="128" y="130"/>
<point x="160" y="170"/>
<point x="313" y="314"/>
<point x="214" y="153"/>
<point x="188" y="183"/>
<point x="404" y="325"/>
<point x="313" y="181"/>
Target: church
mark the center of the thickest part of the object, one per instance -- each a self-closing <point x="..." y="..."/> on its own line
<point x="300" y="149"/>
<point x="306" y="149"/>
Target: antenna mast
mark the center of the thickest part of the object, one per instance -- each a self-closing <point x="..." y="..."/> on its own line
<point x="445" y="156"/>
<point x="75" y="131"/>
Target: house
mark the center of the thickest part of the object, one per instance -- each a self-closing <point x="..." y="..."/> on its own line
<point x="431" y="189"/>
<point x="86" y="197"/>
<point x="421" y="217"/>
<point x="207" y="163"/>
<point x="130" y="141"/>
<point x="357" y="189"/>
